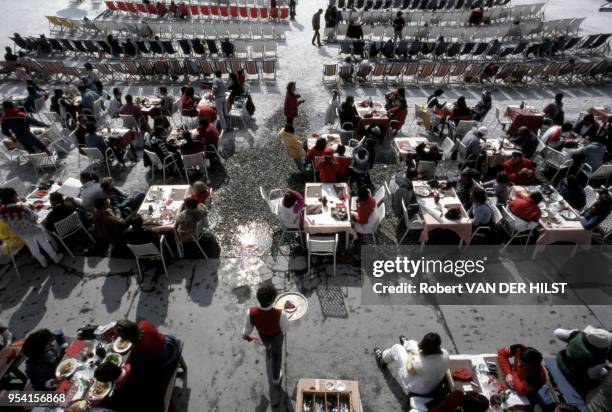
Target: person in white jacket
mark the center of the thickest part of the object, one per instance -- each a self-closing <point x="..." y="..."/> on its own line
<point x="421" y="365"/>
<point x="334" y="105"/>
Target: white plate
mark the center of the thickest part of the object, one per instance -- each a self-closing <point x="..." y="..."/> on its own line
<point x="116" y="347"/>
<point x="422" y="191"/>
<point x="102" y="395"/>
<point x="544" y="213"/>
<point x="297" y="299"/>
<point x="340" y="386"/>
<point x="330" y="385"/>
<point x="73" y="367"/>
<point x="568" y="214"/>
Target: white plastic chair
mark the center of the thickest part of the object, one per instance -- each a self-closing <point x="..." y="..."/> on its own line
<point x="374" y="221"/>
<point x="270" y="202"/>
<point x="516" y="227"/>
<point x="201" y="227"/>
<point x="411" y="223"/>
<point x="603" y="172"/>
<point x="40" y="161"/>
<point x="194" y="162"/>
<point x="556" y="160"/>
<point x="12" y="253"/>
<point x="322" y="246"/>
<point x="380" y="195"/>
<point x="95" y="156"/>
<point x="129" y="122"/>
<point x="22" y="188"/>
<point x="150" y="251"/>
<point x="68" y="227"/>
<point x="157" y="163"/>
<point x="591" y="196"/>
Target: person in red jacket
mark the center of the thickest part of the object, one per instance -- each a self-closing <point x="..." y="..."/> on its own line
<point x="271" y="324"/>
<point x="526" y="207"/>
<point x="208" y="112"/>
<point x="320" y="149"/>
<point x="342" y="163"/>
<point x="327" y="169"/>
<point x="292" y="102"/>
<point x="525" y="375"/>
<point x="365" y="206"/>
<point x="150" y="345"/>
<point x="520" y="171"/>
<point x="397" y="114"/>
<point x="459" y="401"/>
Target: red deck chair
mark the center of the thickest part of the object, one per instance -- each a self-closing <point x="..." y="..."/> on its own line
<point x="284" y="13"/>
<point x="263" y="13"/>
<point x="214" y="9"/>
<point x="254" y="13"/>
<point x="111" y="5"/>
<point x="131" y="7"/>
<point x="195" y="10"/>
<point x="274" y="13"/>
<point x="122" y="6"/>
<point x="141" y="8"/>
<point x="152" y="9"/>
<point x="234" y="12"/>
<point x="204" y="10"/>
<point x="223" y="11"/>
<point x="244" y="12"/>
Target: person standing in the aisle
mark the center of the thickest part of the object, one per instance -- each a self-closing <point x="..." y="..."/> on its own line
<point x="218" y="89"/>
<point x="316" y="26"/>
<point x="292" y="4"/>
<point x="292" y="102"/>
<point x="271" y="324"/>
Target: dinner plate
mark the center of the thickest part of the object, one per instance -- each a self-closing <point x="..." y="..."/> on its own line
<point x="113" y="358"/>
<point x="94" y="393"/>
<point x="330" y="385"/>
<point x="340" y="386"/>
<point x="568" y="214"/>
<point x="544" y="213"/>
<point x="297" y="299"/>
<point x="66" y="368"/>
<point x="121" y="346"/>
<point x="422" y="191"/>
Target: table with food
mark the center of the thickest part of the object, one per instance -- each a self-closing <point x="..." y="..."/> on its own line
<point x="559" y="222"/>
<point x="442" y="209"/>
<point x="81" y="358"/>
<point x="482" y="374"/>
<point x="327" y="209"/>
<point x="175" y="138"/>
<point x="161" y="207"/>
<point x="149" y="105"/>
<point x="523" y="116"/>
<point x="405" y="146"/>
<point x="372" y="113"/>
<point x="497" y="151"/>
<point x="320" y="395"/>
<point x="38" y="199"/>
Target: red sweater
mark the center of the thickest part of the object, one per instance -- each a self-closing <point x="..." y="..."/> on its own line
<point x="151" y="340"/>
<point x="267" y="322"/>
<point x="291" y="105"/>
<point x="398" y="113"/>
<point x="209" y="136"/>
<point x="525" y="208"/>
<point x="313" y="153"/>
<point x="365" y="209"/>
<point x="342" y="166"/>
<point x="327" y="171"/>
<point x="520" y="373"/>
<point x="512" y="169"/>
<point x="451" y="403"/>
<point x="208" y="112"/>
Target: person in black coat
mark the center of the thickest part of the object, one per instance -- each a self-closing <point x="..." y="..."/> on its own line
<point x="16" y="124"/>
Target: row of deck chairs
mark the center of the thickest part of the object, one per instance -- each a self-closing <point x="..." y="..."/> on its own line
<point x="416" y="4"/>
<point x="535" y="30"/>
<point x="166" y="29"/>
<point x="432" y="73"/>
<point x="148" y="69"/>
<point x="129" y="48"/>
<point x="205" y="10"/>
<point x="595" y="44"/>
<point x="447" y="17"/>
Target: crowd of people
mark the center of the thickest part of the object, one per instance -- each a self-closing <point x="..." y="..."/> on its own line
<point x="421" y="368"/>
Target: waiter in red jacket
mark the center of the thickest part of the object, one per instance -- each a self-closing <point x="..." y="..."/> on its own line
<point x="271" y="324"/>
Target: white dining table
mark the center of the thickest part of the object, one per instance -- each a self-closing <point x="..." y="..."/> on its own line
<point x="318" y="219"/>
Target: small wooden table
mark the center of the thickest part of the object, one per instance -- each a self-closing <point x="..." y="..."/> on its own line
<point x="309" y="389"/>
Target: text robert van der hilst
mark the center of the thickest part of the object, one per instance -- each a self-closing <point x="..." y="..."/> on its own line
<point x="459" y="268"/>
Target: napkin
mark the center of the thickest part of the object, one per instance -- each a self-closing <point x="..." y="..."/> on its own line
<point x="75" y="347"/>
